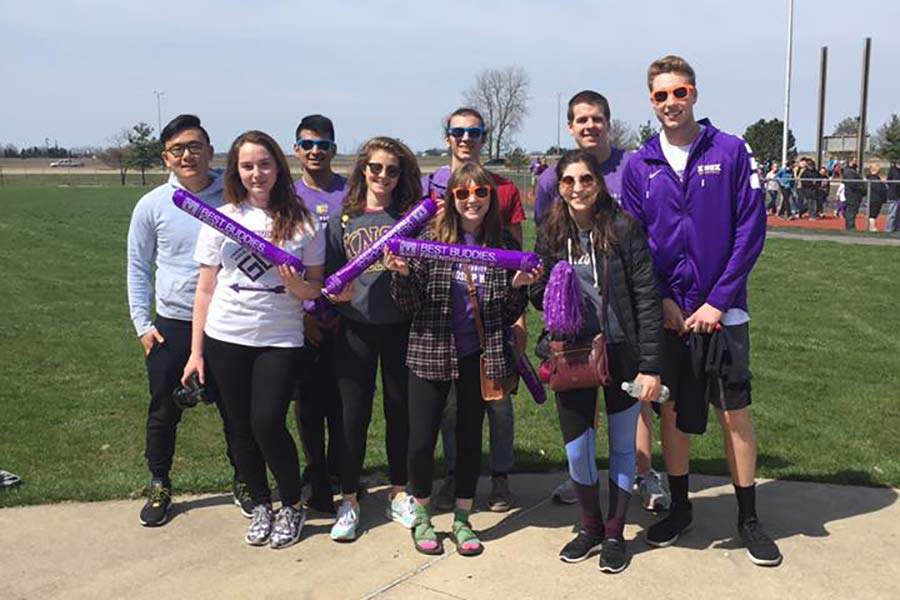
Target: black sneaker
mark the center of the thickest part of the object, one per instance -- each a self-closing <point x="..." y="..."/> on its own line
<point x="159" y="502"/>
<point x="613" y="556"/>
<point x="242" y="498"/>
<point x="666" y="532"/>
<point x="581" y="548"/>
<point x="760" y="547"/>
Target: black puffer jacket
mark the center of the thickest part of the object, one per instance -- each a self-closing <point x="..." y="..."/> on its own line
<point x="634" y="295"/>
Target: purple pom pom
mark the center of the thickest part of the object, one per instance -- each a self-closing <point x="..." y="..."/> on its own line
<point x="563" y="301"/>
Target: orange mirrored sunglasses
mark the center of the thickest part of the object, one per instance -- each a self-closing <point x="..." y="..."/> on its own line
<point x="679" y="92"/>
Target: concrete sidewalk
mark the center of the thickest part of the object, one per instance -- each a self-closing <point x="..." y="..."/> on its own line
<point x="838" y="541"/>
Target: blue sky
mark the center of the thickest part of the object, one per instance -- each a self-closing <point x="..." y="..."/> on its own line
<point x="77" y="72"/>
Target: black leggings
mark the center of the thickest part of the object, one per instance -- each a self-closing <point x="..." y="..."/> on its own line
<point x="256" y="386"/>
<point x="425" y="413"/>
<point x="358" y="348"/>
<point x="319" y="401"/>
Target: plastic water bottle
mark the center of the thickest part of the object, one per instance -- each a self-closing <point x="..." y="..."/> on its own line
<point x="633" y="389"/>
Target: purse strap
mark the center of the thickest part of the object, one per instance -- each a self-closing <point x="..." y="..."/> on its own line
<point x="473" y="298"/>
<point x="604" y="290"/>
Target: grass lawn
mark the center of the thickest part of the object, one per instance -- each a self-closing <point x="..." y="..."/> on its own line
<point x="73" y="391"/>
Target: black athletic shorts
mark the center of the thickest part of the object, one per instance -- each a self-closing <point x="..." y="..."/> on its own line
<point x="707" y="369"/>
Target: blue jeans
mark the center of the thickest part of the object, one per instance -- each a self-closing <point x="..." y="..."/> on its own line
<point x="892" y="223"/>
<point x="502" y="433"/>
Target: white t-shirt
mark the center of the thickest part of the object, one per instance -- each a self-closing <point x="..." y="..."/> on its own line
<point x="250" y="305"/>
<point x="677" y="157"/>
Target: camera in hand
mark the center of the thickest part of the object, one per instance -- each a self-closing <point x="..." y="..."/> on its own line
<point x="188" y="396"/>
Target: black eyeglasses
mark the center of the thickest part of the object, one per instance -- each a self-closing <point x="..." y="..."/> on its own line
<point x="474" y="133"/>
<point x="323" y="145"/>
<point x="376" y="169"/>
<point x="178" y="150"/>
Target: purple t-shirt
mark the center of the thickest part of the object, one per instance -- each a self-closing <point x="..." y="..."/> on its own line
<point x="546" y="191"/>
<point x="323" y="203"/>
<point x="464" y="331"/>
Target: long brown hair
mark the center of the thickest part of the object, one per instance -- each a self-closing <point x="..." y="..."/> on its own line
<point x="447" y="226"/>
<point x="559" y="225"/>
<point x="409" y="186"/>
<point x="289" y="214"/>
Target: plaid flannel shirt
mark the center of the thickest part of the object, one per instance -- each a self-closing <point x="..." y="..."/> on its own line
<point x="426" y="296"/>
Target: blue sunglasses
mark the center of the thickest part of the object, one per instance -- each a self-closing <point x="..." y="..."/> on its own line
<point x="323" y="145"/>
<point x="474" y="133"/>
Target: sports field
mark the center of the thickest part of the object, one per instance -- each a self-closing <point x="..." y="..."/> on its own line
<point x="73" y="391"/>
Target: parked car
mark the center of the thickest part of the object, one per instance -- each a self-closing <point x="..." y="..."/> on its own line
<point x="66" y="162"/>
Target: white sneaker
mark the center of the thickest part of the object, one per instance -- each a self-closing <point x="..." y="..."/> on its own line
<point x="654" y="494"/>
<point x="565" y="493"/>
<point x="344" y="529"/>
<point x="402" y="509"/>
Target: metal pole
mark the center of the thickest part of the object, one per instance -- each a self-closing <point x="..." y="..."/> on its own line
<point x="158" y="111"/>
<point x="558" y="117"/>
<point x="787" y="84"/>
<point x="863" y="101"/>
<point x="823" y="72"/>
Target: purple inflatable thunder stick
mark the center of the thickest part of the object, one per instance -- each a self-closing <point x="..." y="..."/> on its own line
<point x="513" y="260"/>
<point x="417" y="216"/>
<point x="236" y="232"/>
<point x="530" y="378"/>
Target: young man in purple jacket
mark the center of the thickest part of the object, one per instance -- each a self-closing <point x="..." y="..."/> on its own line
<point x="697" y="192"/>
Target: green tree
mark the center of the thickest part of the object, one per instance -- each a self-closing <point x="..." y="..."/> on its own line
<point x="646" y="131"/>
<point x="146" y="152"/>
<point x="847" y="126"/>
<point x="765" y="137"/>
<point x="555" y="151"/>
<point x="889" y="139"/>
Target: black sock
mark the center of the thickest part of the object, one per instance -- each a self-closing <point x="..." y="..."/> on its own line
<point x="591" y="515"/>
<point x="498" y="474"/>
<point x="746" y="499"/>
<point x="678" y="485"/>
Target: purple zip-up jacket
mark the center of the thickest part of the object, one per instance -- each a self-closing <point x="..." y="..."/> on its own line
<point x="707" y="231"/>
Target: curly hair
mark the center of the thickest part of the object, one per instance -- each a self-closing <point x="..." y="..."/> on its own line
<point x="409" y="186"/>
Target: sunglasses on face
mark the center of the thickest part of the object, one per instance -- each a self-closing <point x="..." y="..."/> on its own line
<point x="679" y="92"/>
<point x="178" y="150"/>
<point x="568" y="182"/>
<point x="474" y="133"/>
<point x="323" y="145"/>
<point x="376" y="169"/>
<point x="479" y="191"/>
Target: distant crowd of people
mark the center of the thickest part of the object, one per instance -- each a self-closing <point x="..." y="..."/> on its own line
<point x="800" y="190"/>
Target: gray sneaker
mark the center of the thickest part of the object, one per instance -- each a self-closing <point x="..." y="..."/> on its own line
<point x="288" y="525"/>
<point x="445" y="498"/>
<point x="565" y="493"/>
<point x="654" y="494"/>
<point x="260" y="525"/>
<point x="500" y="499"/>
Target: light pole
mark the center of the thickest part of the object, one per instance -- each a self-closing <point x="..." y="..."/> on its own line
<point x="558" y="117"/>
<point x="158" y="111"/>
<point x="787" y="84"/>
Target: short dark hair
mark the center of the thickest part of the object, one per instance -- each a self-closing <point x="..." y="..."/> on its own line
<point x="588" y="97"/>
<point x="179" y="124"/>
<point x="319" y="124"/>
<point x="465" y="111"/>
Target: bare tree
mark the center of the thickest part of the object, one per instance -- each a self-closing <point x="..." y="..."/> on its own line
<point x="501" y="95"/>
<point x="621" y="135"/>
<point x="118" y="154"/>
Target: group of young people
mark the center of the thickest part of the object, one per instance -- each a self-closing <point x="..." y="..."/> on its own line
<point x="672" y="232"/>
